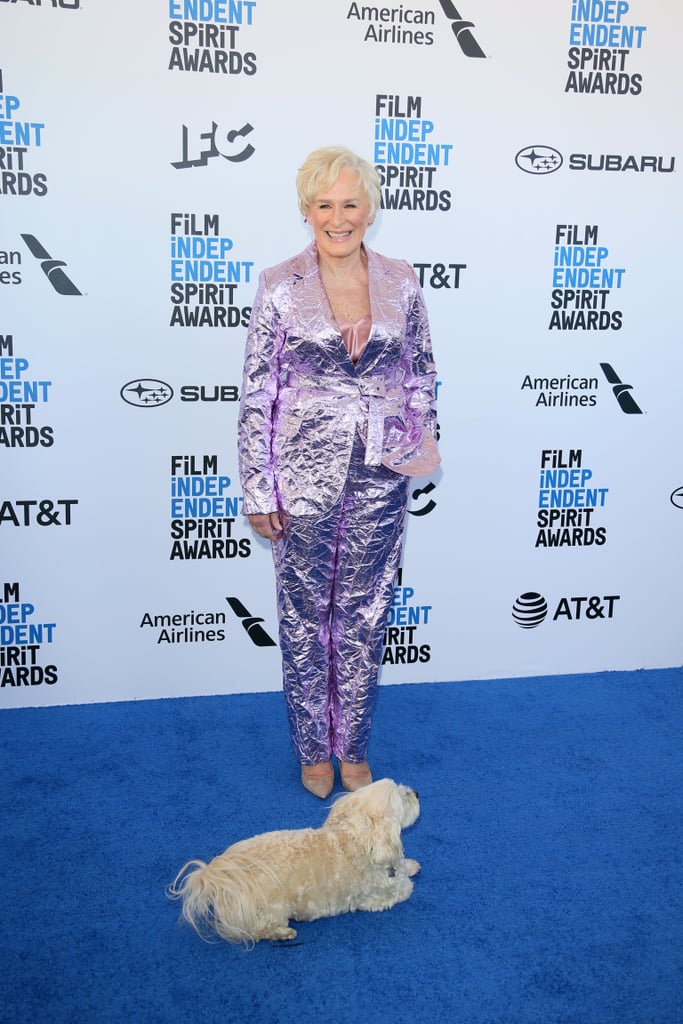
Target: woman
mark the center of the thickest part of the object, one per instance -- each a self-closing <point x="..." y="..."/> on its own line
<point x="336" y="411"/>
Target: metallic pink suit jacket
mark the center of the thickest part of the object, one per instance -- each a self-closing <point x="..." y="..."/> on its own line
<point x="303" y="400"/>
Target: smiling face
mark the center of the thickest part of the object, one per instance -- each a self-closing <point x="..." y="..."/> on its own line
<point x="339" y="216"/>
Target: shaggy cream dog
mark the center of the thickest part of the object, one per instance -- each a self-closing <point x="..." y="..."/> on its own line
<point x="354" y="862"/>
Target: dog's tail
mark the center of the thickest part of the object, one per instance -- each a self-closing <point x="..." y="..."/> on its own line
<point x="219" y="898"/>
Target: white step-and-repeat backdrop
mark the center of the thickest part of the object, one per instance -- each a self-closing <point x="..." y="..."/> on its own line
<point x="530" y="155"/>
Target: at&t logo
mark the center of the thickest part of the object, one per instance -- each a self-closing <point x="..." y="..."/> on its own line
<point x="531" y="609"/>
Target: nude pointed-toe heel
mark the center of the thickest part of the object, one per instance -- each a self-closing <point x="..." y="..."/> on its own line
<point x="318" y="779"/>
<point x="355" y="776"/>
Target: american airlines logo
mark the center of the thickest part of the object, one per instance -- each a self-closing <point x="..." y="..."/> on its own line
<point x="53" y="269"/>
<point x="462" y="30"/>
<point x="622" y="392"/>
<point x="251" y="624"/>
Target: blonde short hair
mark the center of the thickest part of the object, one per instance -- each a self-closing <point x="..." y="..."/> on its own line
<point x="322" y="167"/>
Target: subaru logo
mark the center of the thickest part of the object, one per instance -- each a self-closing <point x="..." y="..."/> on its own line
<point x="146" y="392"/>
<point x="539" y="159"/>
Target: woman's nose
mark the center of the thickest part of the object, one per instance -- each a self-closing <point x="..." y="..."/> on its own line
<point x="337" y="215"/>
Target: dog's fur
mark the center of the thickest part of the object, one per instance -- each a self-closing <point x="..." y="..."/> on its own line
<point x="354" y="862"/>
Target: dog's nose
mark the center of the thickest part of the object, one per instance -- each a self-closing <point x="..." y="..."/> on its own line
<point x="416" y="794"/>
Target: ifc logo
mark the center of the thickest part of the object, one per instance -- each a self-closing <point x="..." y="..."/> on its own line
<point x="146" y="393"/>
<point x="539" y="160"/>
<point x="529" y="610"/>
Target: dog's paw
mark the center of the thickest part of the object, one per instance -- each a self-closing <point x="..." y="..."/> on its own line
<point x="281" y="934"/>
<point x="411" y="867"/>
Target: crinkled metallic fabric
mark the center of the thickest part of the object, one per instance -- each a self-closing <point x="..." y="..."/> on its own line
<point x="314" y="431"/>
<point x="335" y="578"/>
<point x="303" y="400"/>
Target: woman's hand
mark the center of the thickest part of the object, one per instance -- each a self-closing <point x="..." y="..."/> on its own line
<point x="268" y="525"/>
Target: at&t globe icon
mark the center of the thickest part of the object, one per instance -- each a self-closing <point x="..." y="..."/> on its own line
<point x="529" y="610"/>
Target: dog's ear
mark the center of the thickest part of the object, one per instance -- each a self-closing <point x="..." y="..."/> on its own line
<point x="385" y="846"/>
<point x="372" y="814"/>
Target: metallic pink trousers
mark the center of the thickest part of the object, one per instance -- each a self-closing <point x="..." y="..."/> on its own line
<point x="335" y="578"/>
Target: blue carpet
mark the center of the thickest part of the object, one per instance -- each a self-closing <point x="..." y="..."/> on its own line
<point x="549" y="839"/>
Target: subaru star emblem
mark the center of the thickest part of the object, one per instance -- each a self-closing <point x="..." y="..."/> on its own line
<point x="677" y="497"/>
<point x="539" y="159"/>
<point x="146" y="393"/>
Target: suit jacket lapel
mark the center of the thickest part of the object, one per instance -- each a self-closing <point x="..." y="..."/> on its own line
<point x="387" y="321"/>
